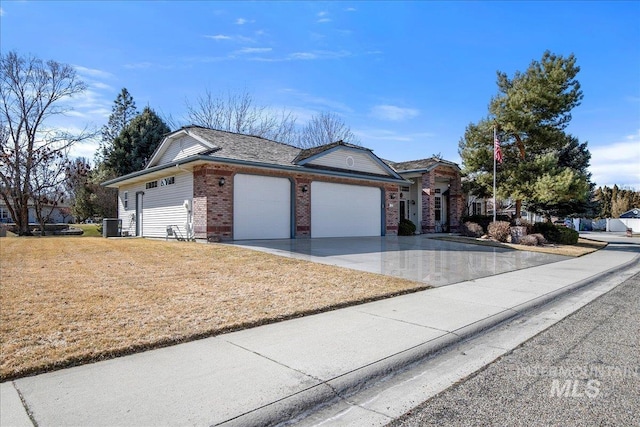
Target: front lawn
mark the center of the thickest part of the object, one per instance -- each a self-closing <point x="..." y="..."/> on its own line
<point x="67" y="301"/>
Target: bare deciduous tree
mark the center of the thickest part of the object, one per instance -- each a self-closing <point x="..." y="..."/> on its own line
<point x="325" y="128"/>
<point x="33" y="156"/>
<point x="239" y="113"/>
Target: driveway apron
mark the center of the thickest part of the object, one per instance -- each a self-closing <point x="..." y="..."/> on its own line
<point x="419" y="258"/>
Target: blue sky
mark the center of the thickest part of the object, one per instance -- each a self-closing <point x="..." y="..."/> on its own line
<point x="407" y="77"/>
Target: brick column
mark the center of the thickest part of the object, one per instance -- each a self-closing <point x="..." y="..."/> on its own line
<point x="428" y="214"/>
<point x="303" y="207"/>
<point x="391" y="209"/>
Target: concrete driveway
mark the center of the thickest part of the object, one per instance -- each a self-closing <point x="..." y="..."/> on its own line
<point x="420" y="258"/>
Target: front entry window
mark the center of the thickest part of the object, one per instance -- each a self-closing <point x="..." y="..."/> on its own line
<point x="438" y="208"/>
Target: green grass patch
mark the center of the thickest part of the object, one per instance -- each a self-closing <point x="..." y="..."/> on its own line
<point x="90" y="230"/>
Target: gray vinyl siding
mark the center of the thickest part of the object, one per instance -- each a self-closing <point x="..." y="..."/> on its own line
<point x="180" y="149"/>
<point x="162" y="206"/>
<point x="338" y="159"/>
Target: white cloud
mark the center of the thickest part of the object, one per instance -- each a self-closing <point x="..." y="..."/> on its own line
<point x="218" y="37"/>
<point x="617" y="163"/>
<point x="92" y="72"/>
<point x="251" y="50"/>
<point x="319" y="54"/>
<point x="316" y="104"/>
<point x="393" y="113"/>
<point x="1" y="11"/>
<point x="350" y="9"/>
<point x="237" y="39"/>
<point x="242" y="21"/>
<point x="323" y="17"/>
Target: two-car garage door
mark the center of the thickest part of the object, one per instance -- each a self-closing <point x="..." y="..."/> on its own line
<point x="340" y="210"/>
<point x="262" y="209"/>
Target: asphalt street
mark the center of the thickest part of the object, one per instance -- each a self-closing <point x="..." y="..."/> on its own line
<point x="584" y="370"/>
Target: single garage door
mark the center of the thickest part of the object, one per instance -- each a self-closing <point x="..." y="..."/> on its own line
<point x="261" y="207"/>
<point x="340" y="210"/>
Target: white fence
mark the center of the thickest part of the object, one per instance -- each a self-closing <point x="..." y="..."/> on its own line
<point x="621" y="224"/>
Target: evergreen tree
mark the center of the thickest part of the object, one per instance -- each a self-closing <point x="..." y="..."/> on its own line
<point x="136" y="143"/>
<point x="542" y="165"/>
<point x="122" y="112"/>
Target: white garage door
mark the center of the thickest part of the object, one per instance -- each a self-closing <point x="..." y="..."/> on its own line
<point x="340" y="210"/>
<point x="261" y="207"/>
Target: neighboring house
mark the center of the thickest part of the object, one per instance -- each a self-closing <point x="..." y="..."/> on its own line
<point x="59" y="214"/>
<point x="633" y="213"/>
<point x="210" y="184"/>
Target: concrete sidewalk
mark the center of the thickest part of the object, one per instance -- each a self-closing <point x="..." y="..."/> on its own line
<point x="272" y="373"/>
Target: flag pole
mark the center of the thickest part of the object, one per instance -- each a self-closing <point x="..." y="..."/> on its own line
<point x="495" y="207"/>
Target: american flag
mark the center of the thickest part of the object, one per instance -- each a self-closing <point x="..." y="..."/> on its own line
<point x="497" y="152"/>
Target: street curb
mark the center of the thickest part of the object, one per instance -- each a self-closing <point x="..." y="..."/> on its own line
<point x="286" y="410"/>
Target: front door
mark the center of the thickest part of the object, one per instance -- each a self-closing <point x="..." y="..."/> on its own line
<point x="403" y="210"/>
<point x="139" y="197"/>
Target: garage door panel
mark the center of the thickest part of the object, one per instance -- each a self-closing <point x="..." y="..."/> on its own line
<point x="341" y="210"/>
<point x="261" y="207"/>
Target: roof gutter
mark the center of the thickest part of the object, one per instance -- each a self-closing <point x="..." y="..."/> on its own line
<point x="200" y="157"/>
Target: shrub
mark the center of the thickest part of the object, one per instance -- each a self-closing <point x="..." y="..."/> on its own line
<point x="484" y="220"/>
<point x="471" y="229"/>
<point x="556" y="234"/>
<point x="500" y="230"/>
<point x="406" y="228"/>
<point x="568" y="236"/>
<point x="540" y="238"/>
<point x="529" y="240"/>
<point x="548" y="230"/>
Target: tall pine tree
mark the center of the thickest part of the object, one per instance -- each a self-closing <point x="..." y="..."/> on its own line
<point x="543" y="166"/>
<point x="136" y="143"/>
<point x="122" y="112"/>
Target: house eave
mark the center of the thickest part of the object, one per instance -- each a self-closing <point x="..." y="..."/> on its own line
<point x="429" y="169"/>
<point x="202" y="159"/>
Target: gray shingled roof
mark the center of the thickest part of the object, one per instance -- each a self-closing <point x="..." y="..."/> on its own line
<point x="421" y="164"/>
<point x="310" y="152"/>
<point x="236" y="146"/>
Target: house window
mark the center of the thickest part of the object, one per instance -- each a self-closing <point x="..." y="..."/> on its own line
<point x="151" y="184"/>
<point x="167" y="181"/>
<point x="4" y="215"/>
<point x="125" y="199"/>
<point x="438" y="207"/>
<point x="477" y="208"/>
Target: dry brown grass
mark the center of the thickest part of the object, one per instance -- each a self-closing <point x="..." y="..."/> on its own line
<point x="583" y="247"/>
<point x="65" y="301"/>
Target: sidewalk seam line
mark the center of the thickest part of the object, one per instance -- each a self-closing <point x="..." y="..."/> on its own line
<point x="24" y="404"/>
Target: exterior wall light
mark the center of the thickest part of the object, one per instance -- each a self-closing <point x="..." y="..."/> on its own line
<point x="304" y="188"/>
<point x="221" y="182"/>
<point x="392" y="196"/>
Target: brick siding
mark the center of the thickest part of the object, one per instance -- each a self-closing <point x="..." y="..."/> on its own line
<point x="213" y="204"/>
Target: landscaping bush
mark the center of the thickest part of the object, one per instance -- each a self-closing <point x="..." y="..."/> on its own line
<point x="406" y="228"/>
<point x="484" y="220"/>
<point x="540" y="238"/>
<point x="471" y="229"/>
<point x="529" y="240"/>
<point x="500" y="230"/>
<point x="548" y="230"/>
<point x="568" y="236"/>
<point x="556" y="234"/>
